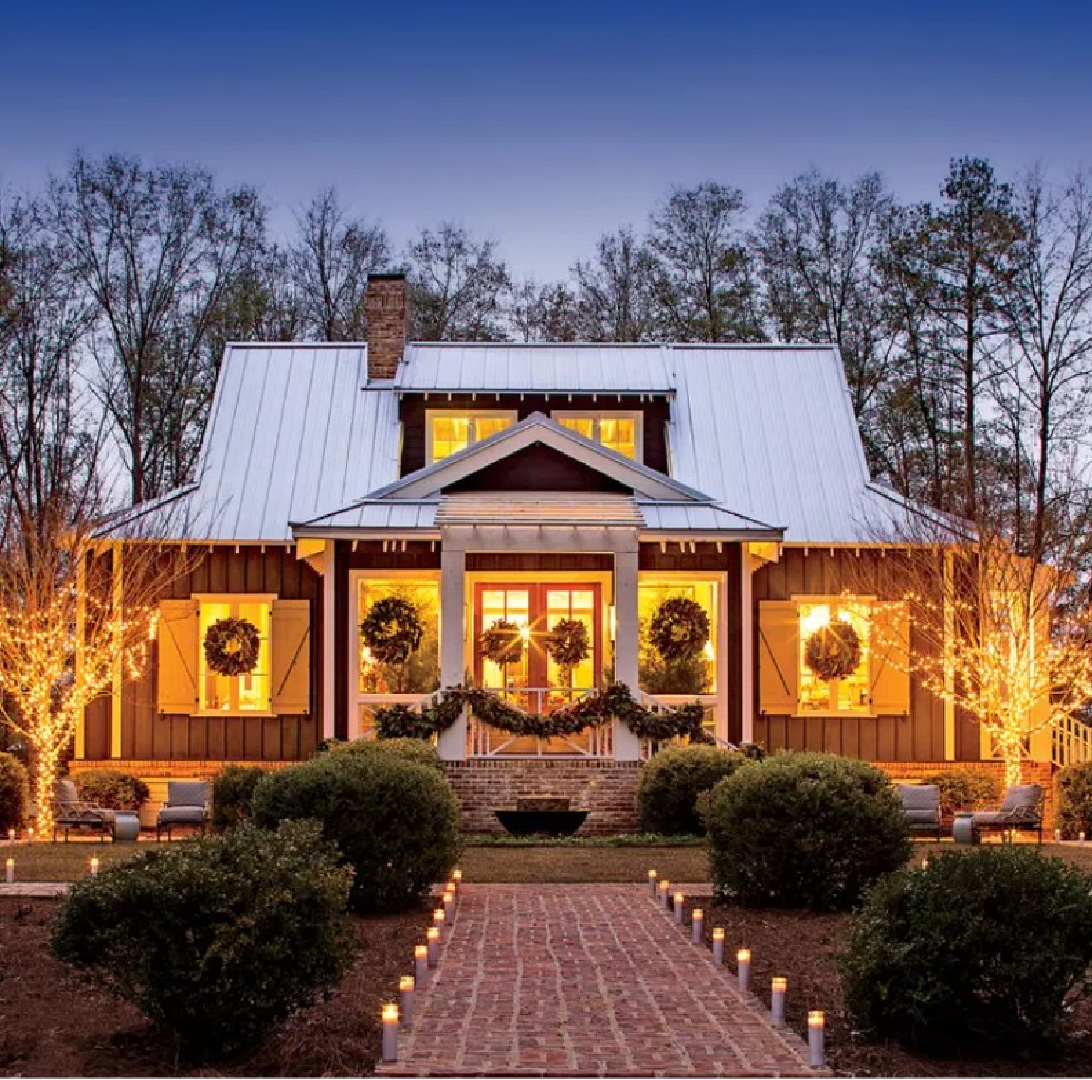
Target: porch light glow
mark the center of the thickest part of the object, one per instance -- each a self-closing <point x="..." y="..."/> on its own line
<point x="612" y="622"/>
<point x="814" y="619"/>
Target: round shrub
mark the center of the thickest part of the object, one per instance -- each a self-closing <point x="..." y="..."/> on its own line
<point x="112" y="789"/>
<point x="804" y="830"/>
<point x="965" y="789"/>
<point x="394" y="821"/>
<point x="232" y="790"/>
<point x="13" y="793"/>
<point x="1075" y="800"/>
<point x="215" y="939"/>
<point x="983" y="947"/>
<point x="670" y="784"/>
<point x="419" y="750"/>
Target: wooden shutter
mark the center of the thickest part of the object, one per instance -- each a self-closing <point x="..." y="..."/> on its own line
<point x="291" y="656"/>
<point x="889" y="677"/>
<point x="778" y="656"/>
<point x="178" y="672"/>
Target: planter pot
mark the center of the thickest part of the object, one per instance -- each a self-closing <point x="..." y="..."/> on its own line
<point x="541" y="822"/>
<point x="126" y="826"/>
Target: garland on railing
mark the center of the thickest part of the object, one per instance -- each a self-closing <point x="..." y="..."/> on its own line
<point x="614" y="702"/>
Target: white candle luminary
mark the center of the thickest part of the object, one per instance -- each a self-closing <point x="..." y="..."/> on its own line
<point x="778" y="988"/>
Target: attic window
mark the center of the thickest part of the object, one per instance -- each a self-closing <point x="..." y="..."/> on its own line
<point x="617" y="431"/>
<point x="450" y="431"/>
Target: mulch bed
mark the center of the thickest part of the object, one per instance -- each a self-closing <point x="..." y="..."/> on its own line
<point x="803" y="947"/>
<point x="53" y="1024"/>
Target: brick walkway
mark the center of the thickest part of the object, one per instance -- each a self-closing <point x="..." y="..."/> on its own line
<point x="588" y="980"/>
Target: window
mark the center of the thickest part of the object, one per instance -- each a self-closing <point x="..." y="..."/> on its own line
<point x="617" y="431"/>
<point x="236" y="693"/>
<point x="450" y="431"/>
<point x="835" y="695"/>
<point x="692" y="676"/>
<point x="419" y="673"/>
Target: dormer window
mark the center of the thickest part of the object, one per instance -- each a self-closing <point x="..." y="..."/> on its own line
<point x="617" y="431"/>
<point x="452" y="430"/>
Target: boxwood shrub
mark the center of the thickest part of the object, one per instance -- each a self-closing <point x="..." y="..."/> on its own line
<point x="804" y="830"/>
<point x="394" y="820"/>
<point x="217" y="938"/>
<point x="418" y="750"/>
<point x="13" y="793"/>
<point x="671" y="783"/>
<point x="1075" y="800"/>
<point x="232" y="792"/>
<point x="984" y="947"/>
<point x="112" y="788"/>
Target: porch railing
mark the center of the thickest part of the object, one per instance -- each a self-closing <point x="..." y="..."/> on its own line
<point x="1071" y="742"/>
<point x="482" y="740"/>
<point x="665" y="702"/>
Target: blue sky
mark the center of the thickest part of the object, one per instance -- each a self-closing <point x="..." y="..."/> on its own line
<point x="543" y="124"/>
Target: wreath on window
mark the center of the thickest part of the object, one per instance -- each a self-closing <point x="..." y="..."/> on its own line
<point x="502" y="643"/>
<point x="679" y="629"/>
<point x="231" y="647"/>
<point x="568" y="643"/>
<point x="392" y="630"/>
<point x="833" y="651"/>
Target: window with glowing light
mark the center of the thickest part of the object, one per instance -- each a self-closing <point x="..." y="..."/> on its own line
<point x="420" y="672"/>
<point x="657" y="676"/>
<point x="236" y="693"/>
<point x="617" y="431"/>
<point x="449" y="431"/>
<point x="850" y="694"/>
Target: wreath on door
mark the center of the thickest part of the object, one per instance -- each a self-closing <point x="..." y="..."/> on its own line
<point x="392" y="630"/>
<point x="502" y="643"/>
<point x="231" y="646"/>
<point x="679" y="629"/>
<point x="833" y="651"/>
<point x="568" y="643"/>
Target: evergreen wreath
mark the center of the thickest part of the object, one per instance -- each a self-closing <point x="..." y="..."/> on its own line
<point x="568" y="643"/>
<point x="833" y="651"/>
<point x="231" y="646"/>
<point x="392" y="630"/>
<point x="502" y="643"/>
<point x="679" y="629"/>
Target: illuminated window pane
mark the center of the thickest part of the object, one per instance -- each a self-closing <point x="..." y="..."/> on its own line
<point x="581" y="425"/>
<point x="484" y="426"/>
<point x="695" y="676"/>
<point x="619" y="435"/>
<point x="419" y="673"/>
<point x="834" y="695"/>
<point x="237" y="693"/>
<point x="450" y="432"/>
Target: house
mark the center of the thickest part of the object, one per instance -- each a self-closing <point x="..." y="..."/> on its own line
<point x="509" y="488"/>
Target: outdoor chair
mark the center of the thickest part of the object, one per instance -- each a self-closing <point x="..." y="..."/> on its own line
<point x="1020" y="809"/>
<point x="187" y="804"/>
<point x="921" y="806"/>
<point x="71" y="812"/>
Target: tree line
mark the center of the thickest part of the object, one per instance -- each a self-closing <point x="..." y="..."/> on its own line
<point x="964" y="323"/>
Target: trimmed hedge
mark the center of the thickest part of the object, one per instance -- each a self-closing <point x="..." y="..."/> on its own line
<point x="984" y="947"/>
<point x="394" y="821"/>
<point x="966" y="789"/>
<point x="672" y="782"/>
<point x="112" y="788"/>
<point x="1075" y="800"/>
<point x="216" y="938"/>
<point x="232" y="792"/>
<point x="14" y="793"/>
<point x="420" y="751"/>
<point x="804" y="830"/>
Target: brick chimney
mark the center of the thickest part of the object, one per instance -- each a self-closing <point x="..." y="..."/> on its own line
<point x="385" y="316"/>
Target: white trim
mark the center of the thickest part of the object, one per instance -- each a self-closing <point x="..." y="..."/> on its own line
<point x="511" y="415"/>
<point x="596" y="416"/>
<point x="329" y="635"/>
<point x="748" y="564"/>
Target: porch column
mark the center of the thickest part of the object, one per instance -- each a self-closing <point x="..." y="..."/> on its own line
<point x="721" y="645"/>
<point x="627" y="746"/>
<point x="452" y="743"/>
<point x="329" y="638"/>
<point x="746" y="643"/>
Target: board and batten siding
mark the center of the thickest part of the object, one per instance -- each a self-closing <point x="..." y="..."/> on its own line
<point x="913" y="733"/>
<point x="291" y="734"/>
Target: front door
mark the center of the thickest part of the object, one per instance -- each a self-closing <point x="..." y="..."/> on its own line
<point x="534" y="680"/>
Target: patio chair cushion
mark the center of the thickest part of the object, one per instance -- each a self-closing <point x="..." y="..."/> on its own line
<point x="66" y="792"/>
<point x="181" y="815"/>
<point x="1020" y="806"/>
<point x="187" y="793"/>
<point x="920" y="799"/>
<point x="922" y="817"/>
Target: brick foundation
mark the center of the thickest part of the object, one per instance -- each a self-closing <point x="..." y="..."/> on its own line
<point x="607" y="789"/>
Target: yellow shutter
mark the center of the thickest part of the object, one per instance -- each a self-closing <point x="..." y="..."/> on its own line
<point x="778" y="659"/>
<point x="291" y="682"/>
<point x="889" y="678"/>
<point x="178" y="658"/>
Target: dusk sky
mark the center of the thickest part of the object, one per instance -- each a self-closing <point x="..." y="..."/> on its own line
<point x="543" y="124"/>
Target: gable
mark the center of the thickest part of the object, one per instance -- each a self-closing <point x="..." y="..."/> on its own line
<point x="538" y="468"/>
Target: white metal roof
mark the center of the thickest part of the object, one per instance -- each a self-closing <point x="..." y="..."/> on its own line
<point x="764" y="433"/>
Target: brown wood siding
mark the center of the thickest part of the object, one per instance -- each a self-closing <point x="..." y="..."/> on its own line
<point x="541" y="561"/>
<point x="412" y="410"/>
<point x="919" y="737"/>
<point x="538" y="468"/>
<point x="148" y="736"/>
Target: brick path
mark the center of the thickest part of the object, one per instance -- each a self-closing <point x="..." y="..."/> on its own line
<point x="588" y="980"/>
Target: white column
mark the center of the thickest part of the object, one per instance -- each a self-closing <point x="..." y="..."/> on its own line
<point x="724" y="689"/>
<point x="117" y="680"/>
<point x="329" y="639"/>
<point x="627" y="746"/>
<point x="747" y="644"/>
<point x="452" y="744"/>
